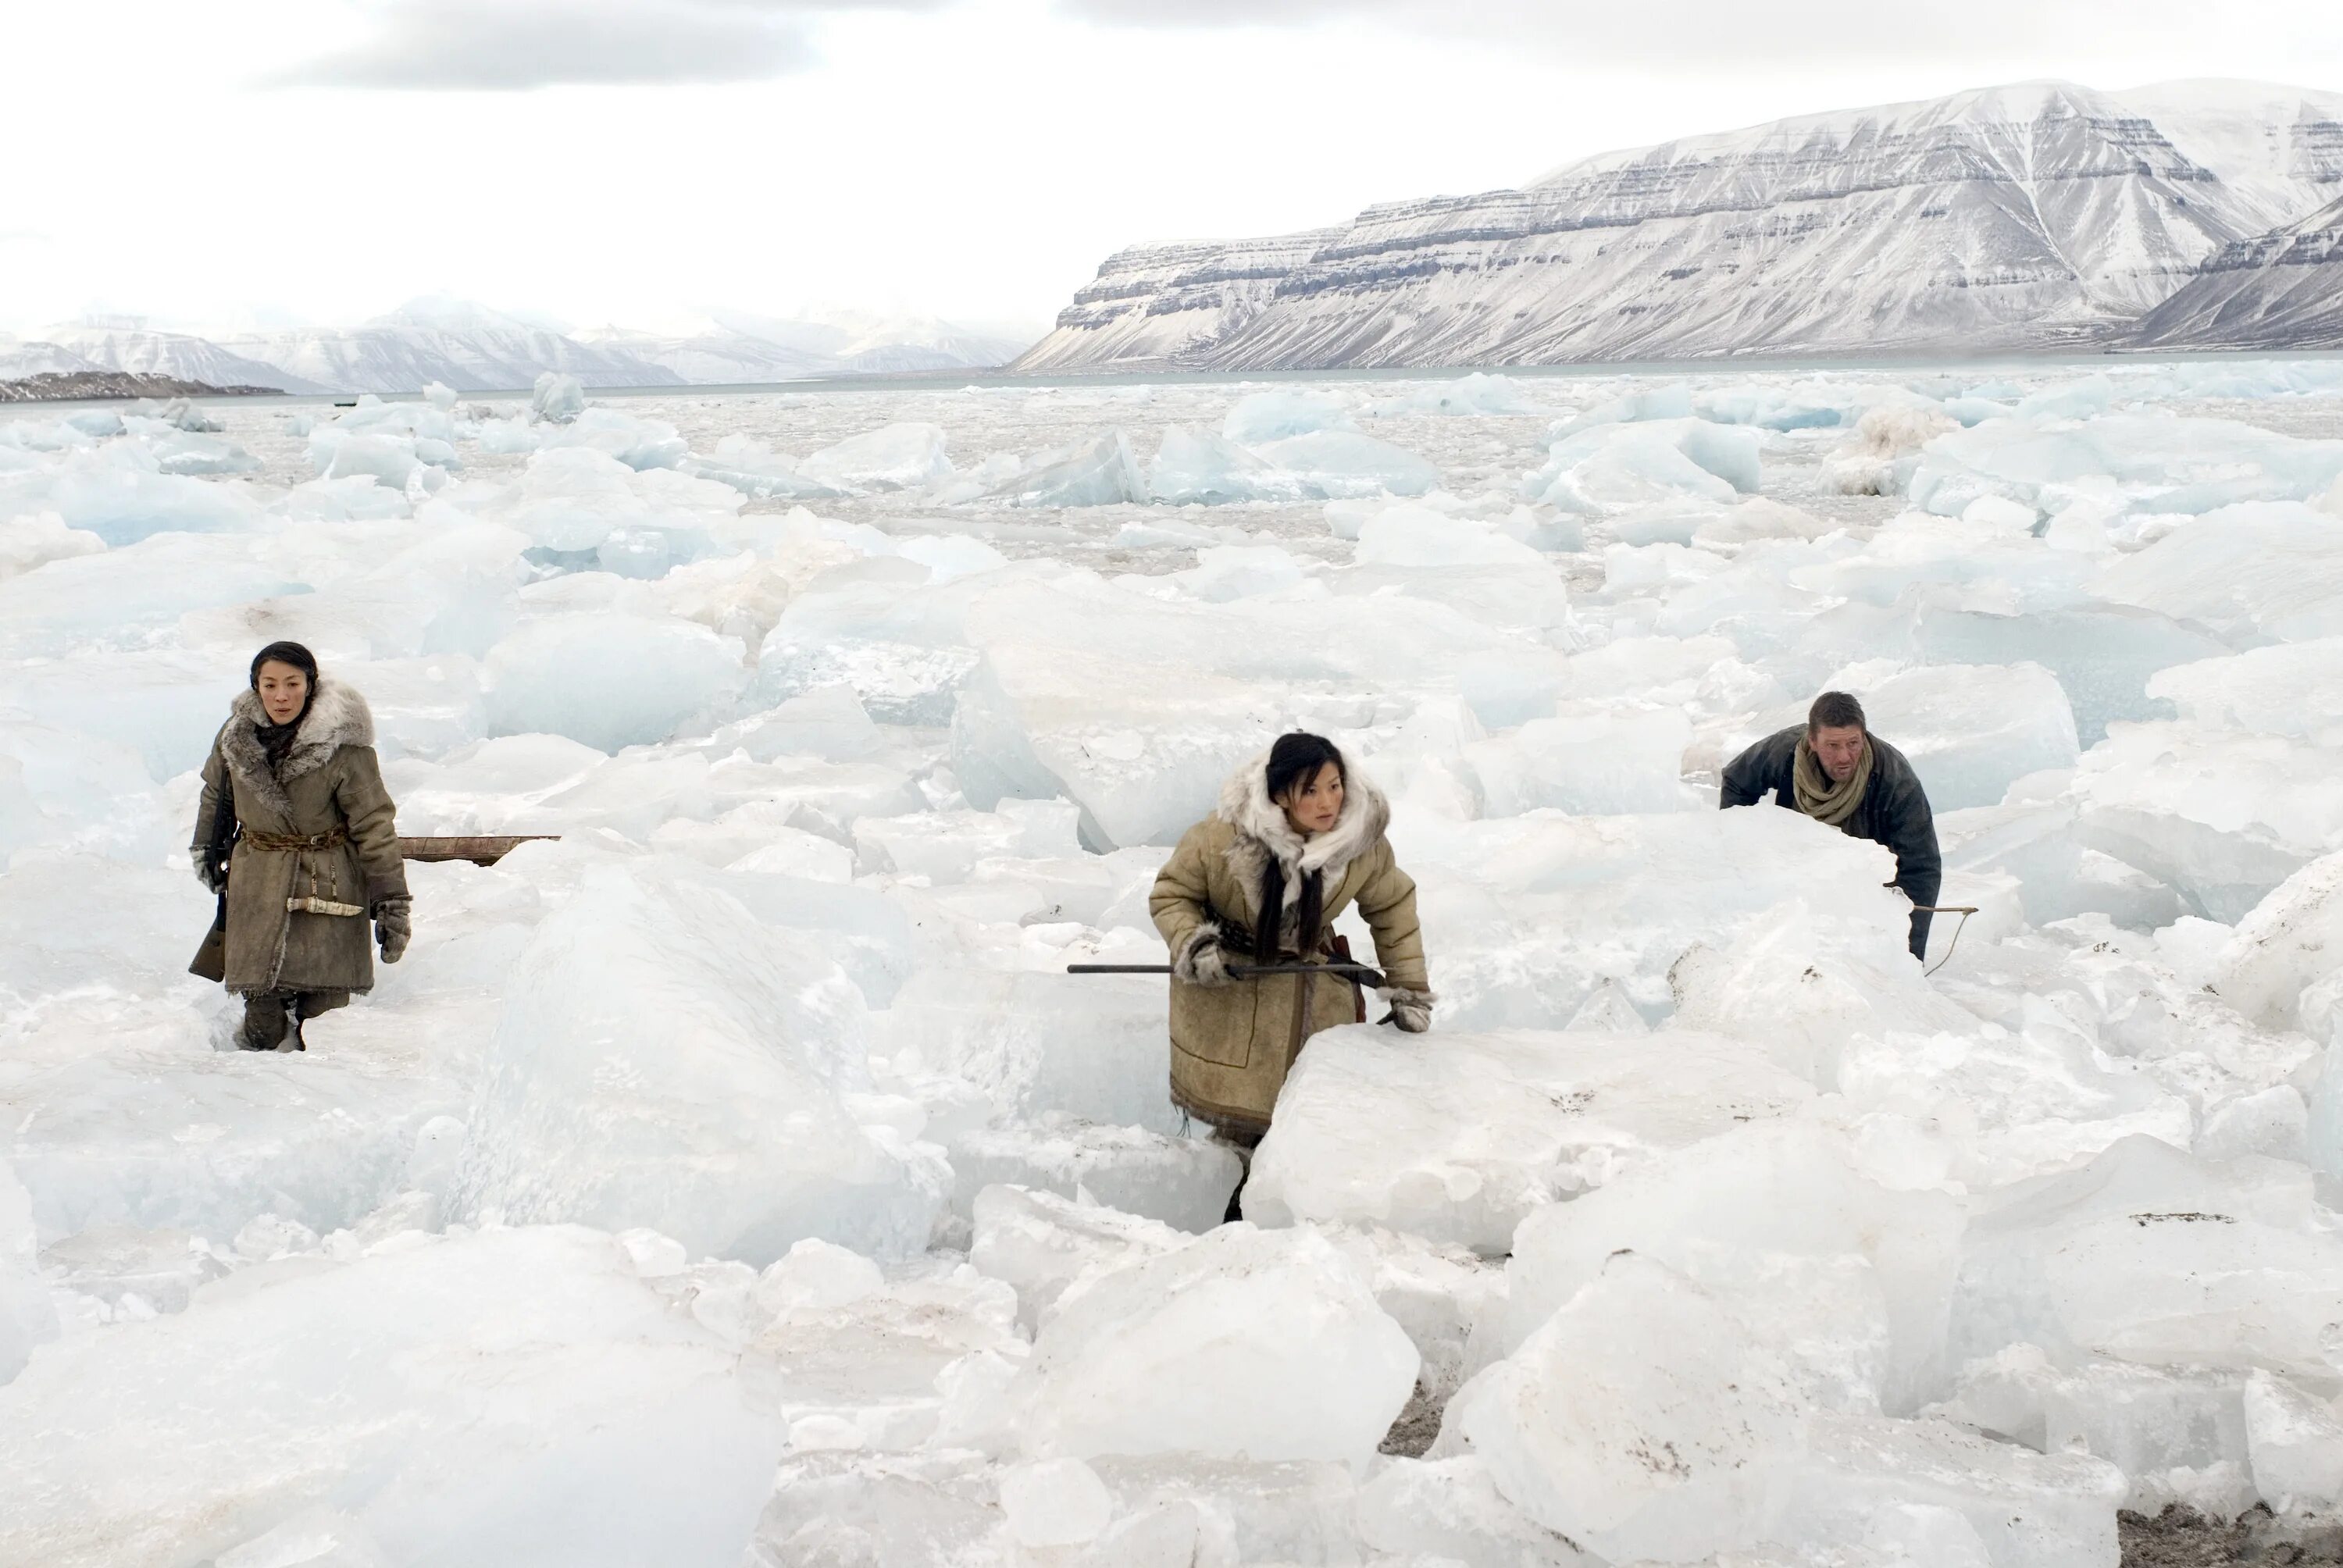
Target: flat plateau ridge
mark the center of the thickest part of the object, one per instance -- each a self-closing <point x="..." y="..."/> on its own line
<point x="2042" y="216"/>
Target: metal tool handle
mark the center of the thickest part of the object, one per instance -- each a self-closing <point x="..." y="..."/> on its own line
<point x="1371" y="978"/>
<point x="1964" y="911"/>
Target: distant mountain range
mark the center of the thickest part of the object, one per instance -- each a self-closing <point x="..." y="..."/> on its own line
<point x="74" y="386"/>
<point x="2043" y="216"/>
<point x="473" y="349"/>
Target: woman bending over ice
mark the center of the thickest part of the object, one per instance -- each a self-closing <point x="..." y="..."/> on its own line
<point x="1298" y="839"/>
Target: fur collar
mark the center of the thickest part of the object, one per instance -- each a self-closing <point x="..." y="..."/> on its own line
<point x="1261" y="829"/>
<point x="337" y="717"/>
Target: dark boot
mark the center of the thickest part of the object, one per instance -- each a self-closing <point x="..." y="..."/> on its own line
<point x="307" y="1005"/>
<point x="1242" y="1144"/>
<point x="263" y="1028"/>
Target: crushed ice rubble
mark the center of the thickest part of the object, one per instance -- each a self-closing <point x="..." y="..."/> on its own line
<point x="742" y="1180"/>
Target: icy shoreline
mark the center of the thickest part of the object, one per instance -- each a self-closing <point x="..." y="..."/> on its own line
<point x="742" y="1178"/>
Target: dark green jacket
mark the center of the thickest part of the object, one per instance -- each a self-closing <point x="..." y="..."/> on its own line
<point x="1894" y="811"/>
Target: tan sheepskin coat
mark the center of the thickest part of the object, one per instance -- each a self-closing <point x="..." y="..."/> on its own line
<point x="1233" y="1045"/>
<point x="329" y="779"/>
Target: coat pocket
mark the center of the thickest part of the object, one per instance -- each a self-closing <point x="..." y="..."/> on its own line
<point x="1214" y="1023"/>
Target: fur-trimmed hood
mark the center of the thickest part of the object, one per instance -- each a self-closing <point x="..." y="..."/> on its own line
<point x="338" y="717"/>
<point x="1261" y="829"/>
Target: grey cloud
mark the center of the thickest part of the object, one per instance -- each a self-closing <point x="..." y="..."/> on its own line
<point x="506" y="46"/>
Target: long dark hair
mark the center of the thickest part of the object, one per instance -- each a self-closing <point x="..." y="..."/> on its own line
<point x="1293" y="762"/>
<point x="277" y="738"/>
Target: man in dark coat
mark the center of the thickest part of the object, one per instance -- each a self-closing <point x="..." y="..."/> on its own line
<point x="1836" y="771"/>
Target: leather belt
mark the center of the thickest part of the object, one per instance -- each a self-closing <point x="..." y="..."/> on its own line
<point x="285" y="842"/>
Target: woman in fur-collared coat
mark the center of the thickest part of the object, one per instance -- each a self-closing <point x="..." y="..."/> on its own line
<point x="298" y="836"/>
<point x="1299" y="834"/>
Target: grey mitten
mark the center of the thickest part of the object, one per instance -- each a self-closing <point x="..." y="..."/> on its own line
<point x="1410" y="1010"/>
<point x="212" y="877"/>
<point x="393" y="926"/>
<point x="1201" y="960"/>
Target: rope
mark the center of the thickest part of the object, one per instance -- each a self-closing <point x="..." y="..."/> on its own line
<point x="1964" y="911"/>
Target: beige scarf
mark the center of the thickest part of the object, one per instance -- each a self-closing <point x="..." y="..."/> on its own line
<point x="1829" y="803"/>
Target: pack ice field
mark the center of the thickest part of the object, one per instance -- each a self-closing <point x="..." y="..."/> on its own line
<point x="738" y="1176"/>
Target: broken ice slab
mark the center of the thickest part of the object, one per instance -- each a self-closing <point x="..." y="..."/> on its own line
<point x="1588" y="764"/>
<point x="1847" y="1278"/>
<point x="2150" y="1254"/>
<point x="2173" y="464"/>
<point x="2286" y="945"/>
<point x="1817" y="982"/>
<point x="2224" y="817"/>
<point x="2107" y="657"/>
<point x="585" y="675"/>
<point x="363" y="1385"/>
<point x="1102" y="473"/>
<point x="2027" y="1510"/>
<point x="2295" y="1442"/>
<point x="2168" y="1429"/>
<point x="1446" y="1298"/>
<point x="1642" y="1421"/>
<point x="1329" y="464"/>
<point x="1043" y="1244"/>
<point x="945" y="846"/>
<point x="1193" y="1351"/>
<point x="1195" y="466"/>
<point x="899" y="457"/>
<point x="1038" y="1244"/>
<point x="2288" y="688"/>
<point x="864" y="1370"/>
<point x="1450" y="1510"/>
<point x="161" y="1268"/>
<point x="1458" y="1143"/>
<point x="1241" y="1511"/>
<point x="848" y="1507"/>
<point x="2246" y="573"/>
<point x="665" y="1058"/>
<point x="1084" y="1046"/>
<point x="1613" y="467"/>
<point x="1183" y="1182"/>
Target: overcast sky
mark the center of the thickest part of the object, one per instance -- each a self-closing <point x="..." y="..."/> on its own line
<point x="628" y="159"/>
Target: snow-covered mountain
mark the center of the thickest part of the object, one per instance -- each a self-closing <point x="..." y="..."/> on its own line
<point x="711" y="353"/>
<point x="2278" y="290"/>
<point x="19" y="359"/>
<point x="875" y="344"/>
<point x="467" y="346"/>
<point x="2012" y="217"/>
<point x="474" y="348"/>
<point x="1172" y="304"/>
<point x="736" y="347"/>
<point x="181" y="356"/>
<point x="2278" y="151"/>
